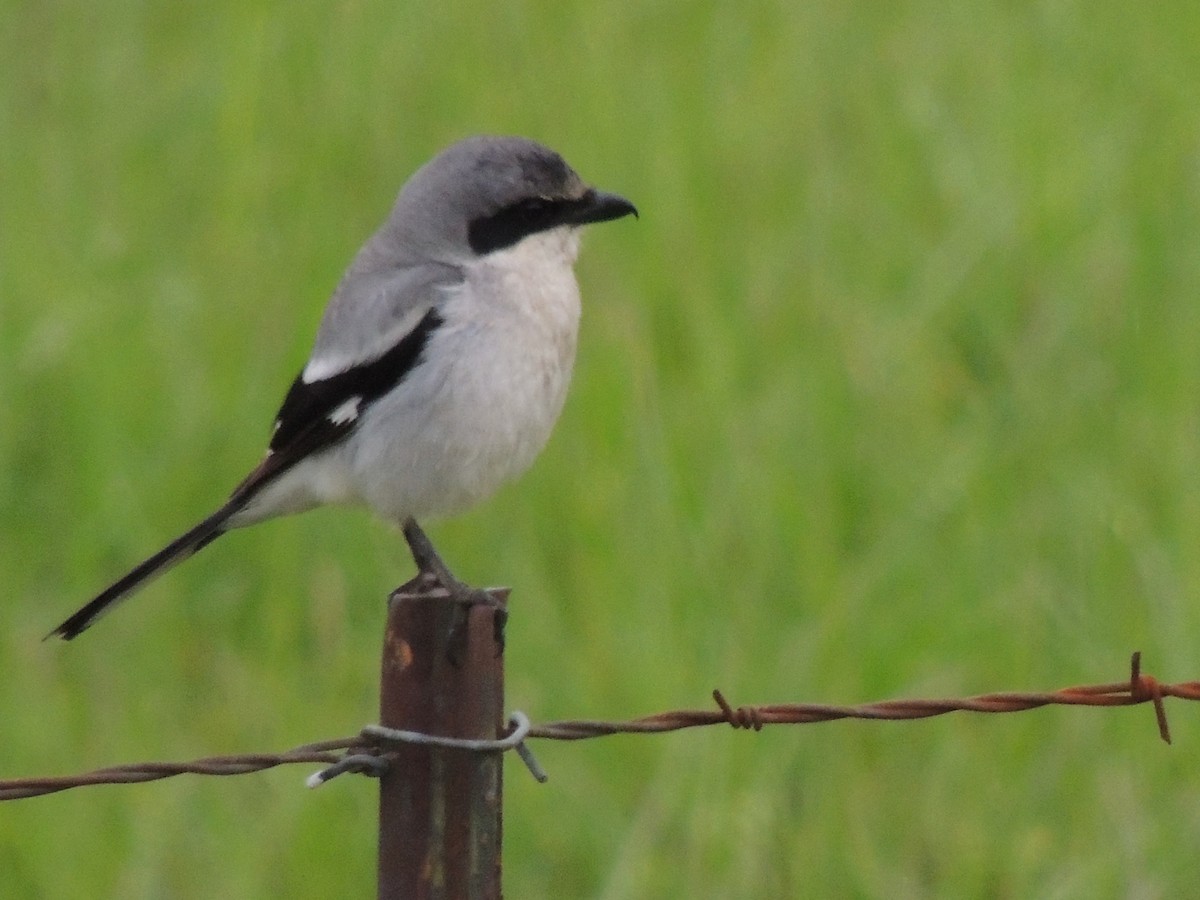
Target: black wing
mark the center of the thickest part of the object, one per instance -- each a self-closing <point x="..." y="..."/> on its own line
<point x="319" y="414"/>
<point x="313" y="417"/>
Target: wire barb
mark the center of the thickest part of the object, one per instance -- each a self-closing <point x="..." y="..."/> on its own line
<point x="1146" y="687"/>
<point x="743" y="717"/>
<point x="367" y="752"/>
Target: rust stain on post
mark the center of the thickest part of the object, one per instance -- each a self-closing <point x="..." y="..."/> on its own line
<point x="440" y="808"/>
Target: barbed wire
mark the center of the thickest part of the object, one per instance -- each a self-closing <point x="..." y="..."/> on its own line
<point x="1137" y="689"/>
<point x="368" y="751"/>
<point x="135" y="773"/>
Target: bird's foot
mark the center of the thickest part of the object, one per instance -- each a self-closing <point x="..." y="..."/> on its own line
<point x="433" y="572"/>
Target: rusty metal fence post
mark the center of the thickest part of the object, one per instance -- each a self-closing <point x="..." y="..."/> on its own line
<point x="440" y="808"/>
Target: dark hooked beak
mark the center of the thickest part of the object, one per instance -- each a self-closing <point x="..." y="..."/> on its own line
<point x="600" y="206"/>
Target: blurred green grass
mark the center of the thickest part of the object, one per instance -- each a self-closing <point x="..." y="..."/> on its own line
<point x="891" y="391"/>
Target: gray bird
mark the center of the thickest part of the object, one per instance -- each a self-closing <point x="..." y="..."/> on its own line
<point x="440" y="365"/>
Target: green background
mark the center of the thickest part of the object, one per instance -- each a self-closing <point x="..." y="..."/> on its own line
<point x="893" y="390"/>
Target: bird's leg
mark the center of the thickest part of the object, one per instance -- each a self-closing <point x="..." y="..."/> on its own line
<point x="432" y="568"/>
<point x="429" y="564"/>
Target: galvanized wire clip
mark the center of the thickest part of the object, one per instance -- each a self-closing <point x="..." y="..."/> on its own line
<point x="364" y="763"/>
<point x="376" y="766"/>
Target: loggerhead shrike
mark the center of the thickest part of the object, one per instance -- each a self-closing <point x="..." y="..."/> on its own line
<point x="441" y="363"/>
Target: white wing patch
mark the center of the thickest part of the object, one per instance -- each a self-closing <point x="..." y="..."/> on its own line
<point x="327" y="365"/>
<point x="346" y="413"/>
<point x="320" y="369"/>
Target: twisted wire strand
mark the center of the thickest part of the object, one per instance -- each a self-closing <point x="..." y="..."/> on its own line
<point x="368" y="752"/>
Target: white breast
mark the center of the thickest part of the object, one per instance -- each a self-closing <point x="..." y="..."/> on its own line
<point x="482" y="404"/>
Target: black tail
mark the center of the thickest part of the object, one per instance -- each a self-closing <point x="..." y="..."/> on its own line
<point x="175" y="552"/>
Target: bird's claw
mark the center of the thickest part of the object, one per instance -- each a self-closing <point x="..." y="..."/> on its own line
<point x="433" y="573"/>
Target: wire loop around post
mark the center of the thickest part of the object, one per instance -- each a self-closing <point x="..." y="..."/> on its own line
<point x="375" y="765"/>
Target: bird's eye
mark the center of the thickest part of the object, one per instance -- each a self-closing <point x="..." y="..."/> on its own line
<point x="534" y="208"/>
